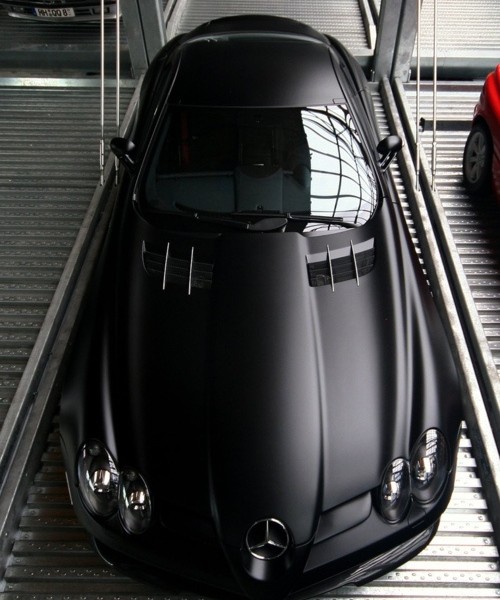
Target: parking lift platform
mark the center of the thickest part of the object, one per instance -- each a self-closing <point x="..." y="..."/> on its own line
<point x="48" y="179"/>
<point x="57" y="47"/>
<point x="349" y="21"/>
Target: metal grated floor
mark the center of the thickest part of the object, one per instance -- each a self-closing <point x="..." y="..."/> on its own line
<point x="53" y="559"/>
<point x="475" y="223"/>
<point x="54" y="46"/>
<point x="465" y="28"/>
<point x="467" y="40"/>
<point x="49" y="166"/>
<point x="341" y="18"/>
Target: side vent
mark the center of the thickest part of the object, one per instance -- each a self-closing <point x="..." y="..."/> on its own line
<point x="334" y="266"/>
<point x="162" y="264"/>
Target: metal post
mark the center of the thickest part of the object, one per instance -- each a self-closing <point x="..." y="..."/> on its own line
<point x="385" y="49"/>
<point x="405" y="41"/>
<point x="101" y="145"/>
<point x="117" y="108"/>
<point x="145" y="29"/>
<point x="417" y="124"/>
<point x="434" y="100"/>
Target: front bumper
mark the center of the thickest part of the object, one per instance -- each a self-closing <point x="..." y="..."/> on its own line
<point x="220" y="577"/>
<point x="200" y="565"/>
<point x="183" y="551"/>
<point x="374" y="567"/>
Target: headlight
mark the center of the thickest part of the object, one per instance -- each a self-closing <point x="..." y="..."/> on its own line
<point x="429" y="465"/>
<point x="395" y="491"/>
<point x="134" y="502"/>
<point x="97" y="479"/>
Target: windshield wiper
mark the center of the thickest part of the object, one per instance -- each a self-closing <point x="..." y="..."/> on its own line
<point x="228" y="219"/>
<point x="265" y="223"/>
<point x="320" y="219"/>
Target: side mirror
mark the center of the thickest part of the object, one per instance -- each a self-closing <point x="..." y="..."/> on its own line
<point x="388" y="148"/>
<point x="124" y="150"/>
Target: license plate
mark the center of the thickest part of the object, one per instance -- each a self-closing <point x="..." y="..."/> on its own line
<point x="54" y="13"/>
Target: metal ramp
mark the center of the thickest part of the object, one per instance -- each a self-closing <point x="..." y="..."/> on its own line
<point x="468" y="36"/>
<point x="350" y="21"/>
<point x="25" y="45"/>
<point x="48" y="165"/>
<point x="53" y="559"/>
<point x="475" y="223"/>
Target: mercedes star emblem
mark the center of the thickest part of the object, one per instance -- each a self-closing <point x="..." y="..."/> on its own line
<point x="267" y="539"/>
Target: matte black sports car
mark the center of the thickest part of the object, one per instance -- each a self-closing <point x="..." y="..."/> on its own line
<point x="261" y="400"/>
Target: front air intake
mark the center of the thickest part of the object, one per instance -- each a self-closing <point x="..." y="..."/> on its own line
<point x="170" y="266"/>
<point x="341" y="264"/>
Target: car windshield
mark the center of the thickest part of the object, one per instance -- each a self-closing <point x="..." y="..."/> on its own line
<point x="281" y="161"/>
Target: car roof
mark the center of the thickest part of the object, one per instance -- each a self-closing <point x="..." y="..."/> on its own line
<point x="255" y="69"/>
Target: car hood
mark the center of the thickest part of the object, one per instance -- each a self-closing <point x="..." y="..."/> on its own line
<point x="244" y="393"/>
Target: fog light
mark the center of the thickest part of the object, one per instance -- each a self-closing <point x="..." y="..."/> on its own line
<point x="395" y="491"/>
<point x="429" y="465"/>
<point x="134" y="502"/>
<point x="97" y="479"/>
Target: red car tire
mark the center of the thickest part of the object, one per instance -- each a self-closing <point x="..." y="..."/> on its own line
<point x="477" y="161"/>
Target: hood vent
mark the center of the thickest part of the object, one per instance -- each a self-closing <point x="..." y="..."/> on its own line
<point x="334" y="266"/>
<point x="162" y="264"/>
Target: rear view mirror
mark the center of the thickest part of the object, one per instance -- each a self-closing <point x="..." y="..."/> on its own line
<point x="124" y="150"/>
<point x="388" y="148"/>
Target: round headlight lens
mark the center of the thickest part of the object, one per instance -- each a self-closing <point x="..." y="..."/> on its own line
<point x="134" y="502"/>
<point x="395" y="491"/>
<point x="429" y="465"/>
<point x="98" y="479"/>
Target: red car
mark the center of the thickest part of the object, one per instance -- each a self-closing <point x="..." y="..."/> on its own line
<point x="481" y="163"/>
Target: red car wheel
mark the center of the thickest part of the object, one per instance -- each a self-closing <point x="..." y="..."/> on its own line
<point x="478" y="155"/>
